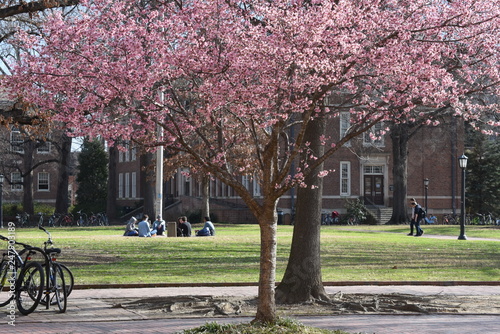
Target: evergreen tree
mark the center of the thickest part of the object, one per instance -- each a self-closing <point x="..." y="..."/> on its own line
<point x="92" y="177"/>
<point x="483" y="175"/>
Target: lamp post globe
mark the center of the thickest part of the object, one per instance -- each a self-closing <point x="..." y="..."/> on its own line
<point x="426" y="184"/>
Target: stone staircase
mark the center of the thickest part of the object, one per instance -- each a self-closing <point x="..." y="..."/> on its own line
<point x="381" y="214"/>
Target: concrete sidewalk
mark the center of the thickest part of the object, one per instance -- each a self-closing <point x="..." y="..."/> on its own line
<point x="92" y="311"/>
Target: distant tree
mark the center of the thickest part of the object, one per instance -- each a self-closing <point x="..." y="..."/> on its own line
<point x="483" y="174"/>
<point x="92" y="177"/>
<point x="111" y="208"/>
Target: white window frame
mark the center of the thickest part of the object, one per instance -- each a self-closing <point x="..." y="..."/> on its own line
<point x="133" y="153"/>
<point x="127" y="152"/>
<point x="16" y="141"/>
<point x="120" y="185"/>
<point x="127" y="185"/>
<point x="256" y="187"/>
<point x="133" y="189"/>
<point x="245" y="180"/>
<point x="374" y="130"/>
<point x="16" y="181"/>
<point x="345" y="125"/>
<point x="44" y="147"/>
<point x="345" y="178"/>
<point x="43" y="181"/>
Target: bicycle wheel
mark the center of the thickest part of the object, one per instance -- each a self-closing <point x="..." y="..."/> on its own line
<point x="60" y="296"/>
<point x="29" y="289"/>
<point x="7" y="278"/>
<point x="68" y="278"/>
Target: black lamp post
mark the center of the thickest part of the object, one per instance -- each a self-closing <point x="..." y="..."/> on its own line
<point x="1" y="203"/>
<point x="462" y="161"/>
<point x="426" y="184"/>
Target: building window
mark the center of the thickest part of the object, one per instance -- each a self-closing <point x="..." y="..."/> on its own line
<point x="133" y="153"/>
<point x="374" y="136"/>
<point x="127" y="185"/>
<point x="134" y="184"/>
<point x="256" y="187"/>
<point x="127" y="152"/>
<point x="345" y="178"/>
<point x="43" y="147"/>
<point x="16" y="141"/>
<point x="120" y="185"/>
<point x="43" y="181"/>
<point x="345" y="124"/>
<point x="245" y="180"/>
<point x="16" y="181"/>
<point x="373" y="169"/>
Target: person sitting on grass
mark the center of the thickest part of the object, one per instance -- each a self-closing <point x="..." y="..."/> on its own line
<point x="159" y="225"/>
<point x="131" y="230"/>
<point x="185" y="227"/>
<point x="207" y="230"/>
<point x="144" y="229"/>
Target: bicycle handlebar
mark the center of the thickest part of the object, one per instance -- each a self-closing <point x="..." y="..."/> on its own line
<point x="25" y="246"/>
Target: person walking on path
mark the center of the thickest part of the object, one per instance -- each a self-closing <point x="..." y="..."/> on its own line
<point x="416" y="218"/>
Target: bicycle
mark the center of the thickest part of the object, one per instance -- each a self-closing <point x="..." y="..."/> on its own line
<point x="52" y="282"/>
<point x="68" y="275"/>
<point x="22" y="219"/>
<point x="40" y="220"/>
<point x="82" y="219"/>
<point x="450" y="219"/>
<point x="66" y="220"/>
<point x="52" y="220"/>
<point x="102" y="219"/>
<point x="27" y="288"/>
<point x="326" y="220"/>
<point x="485" y="219"/>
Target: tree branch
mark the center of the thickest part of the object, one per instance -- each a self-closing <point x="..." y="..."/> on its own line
<point x="35" y="6"/>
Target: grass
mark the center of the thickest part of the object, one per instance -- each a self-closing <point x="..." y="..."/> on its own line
<point x="349" y="253"/>
<point x="282" y="326"/>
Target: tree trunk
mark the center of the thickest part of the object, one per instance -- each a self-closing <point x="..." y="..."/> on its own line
<point x="268" y="222"/>
<point x="205" y="198"/>
<point x="148" y="186"/>
<point x="62" y="196"/>
<point x="111" y="200"/>
<point x="28" y="205"/>
<point x="400" y="138"/>
<point x="302" y="280"/>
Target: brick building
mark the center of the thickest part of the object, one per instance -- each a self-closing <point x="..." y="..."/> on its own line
<point x="362" y="169"/>
<point x="23" y="159"/>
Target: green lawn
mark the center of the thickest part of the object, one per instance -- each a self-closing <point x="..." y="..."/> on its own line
<point x="359" y="253"/>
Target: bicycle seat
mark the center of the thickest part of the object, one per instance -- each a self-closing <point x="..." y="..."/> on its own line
<point x="53" y="250"/>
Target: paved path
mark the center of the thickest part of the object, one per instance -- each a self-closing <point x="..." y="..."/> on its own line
<point x="90" y="311"/>
<point x="425" y="235"/>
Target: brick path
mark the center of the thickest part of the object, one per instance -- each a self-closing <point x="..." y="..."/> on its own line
<point x="90" y="311"/>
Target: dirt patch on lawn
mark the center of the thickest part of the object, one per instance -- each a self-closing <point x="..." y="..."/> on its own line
<point x="210" y="306"/>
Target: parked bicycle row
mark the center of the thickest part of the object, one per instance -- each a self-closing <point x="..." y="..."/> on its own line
<point x="64" y="220"/>
<point x="31" y="276"/>
<point x="471" y="219"/>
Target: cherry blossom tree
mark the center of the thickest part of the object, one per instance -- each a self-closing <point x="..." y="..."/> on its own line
<point x="226" y="80"/>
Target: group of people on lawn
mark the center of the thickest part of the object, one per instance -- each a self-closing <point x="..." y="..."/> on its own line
<point x="144" y="229"/>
